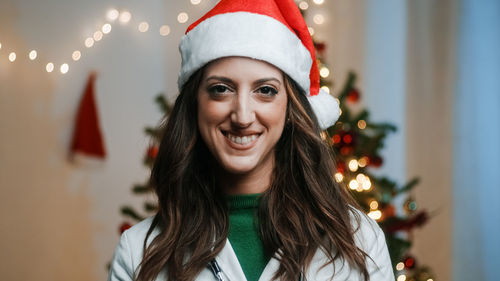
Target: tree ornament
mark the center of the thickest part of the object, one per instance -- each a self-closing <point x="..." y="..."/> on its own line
<point x="152" y="151"/>
<point x="124" y="226"/>
<point x="410" y="262"/>
<point x="353" y="95"/>
<point x="389" y="211"/>
<point x="410" y="206"/>
<point x="375" y="161"/>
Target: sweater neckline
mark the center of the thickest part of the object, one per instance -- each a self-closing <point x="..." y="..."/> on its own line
<point x="243" y="201"/>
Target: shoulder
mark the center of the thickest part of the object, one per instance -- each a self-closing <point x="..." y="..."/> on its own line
<point x="128" y="252"/>
<point x="370" y="238"/>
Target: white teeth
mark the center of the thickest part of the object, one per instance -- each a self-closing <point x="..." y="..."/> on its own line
<point x="241" y="140"/>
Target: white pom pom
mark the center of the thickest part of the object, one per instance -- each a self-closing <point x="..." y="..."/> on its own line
<point x="326" y="108"/>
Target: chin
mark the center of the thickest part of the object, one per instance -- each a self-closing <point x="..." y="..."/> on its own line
<point x="238" y="166"/>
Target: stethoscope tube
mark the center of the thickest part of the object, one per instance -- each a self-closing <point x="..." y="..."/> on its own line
<point x="215" y="268"/>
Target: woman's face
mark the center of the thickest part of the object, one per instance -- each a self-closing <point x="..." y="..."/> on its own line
<point x="241" y="113"/>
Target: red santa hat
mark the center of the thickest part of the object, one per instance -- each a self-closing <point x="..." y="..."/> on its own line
<point x="269" y="30"/>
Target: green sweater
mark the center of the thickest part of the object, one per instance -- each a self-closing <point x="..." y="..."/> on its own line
<point x="244" y="234"/>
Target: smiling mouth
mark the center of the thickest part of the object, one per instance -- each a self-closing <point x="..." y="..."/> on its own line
<point x="241" y="140"/>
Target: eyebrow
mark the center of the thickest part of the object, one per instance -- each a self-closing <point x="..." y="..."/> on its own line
<point x="227" y="80"/>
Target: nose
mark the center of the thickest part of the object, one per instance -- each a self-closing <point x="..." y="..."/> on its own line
<point x="243" y="113"/>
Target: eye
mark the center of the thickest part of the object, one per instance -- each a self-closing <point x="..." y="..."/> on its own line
<point x="218" y="90"/>
<point x="268" y="91"/>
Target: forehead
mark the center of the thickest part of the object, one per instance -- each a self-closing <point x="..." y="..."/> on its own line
<point x="242" y="67"/>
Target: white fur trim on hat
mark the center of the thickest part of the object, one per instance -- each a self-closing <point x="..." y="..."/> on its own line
<point x="248" y="35"/>
<point x="326" y="108"/>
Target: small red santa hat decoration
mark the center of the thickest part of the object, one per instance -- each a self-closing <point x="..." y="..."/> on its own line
<point x="269" y="30"/>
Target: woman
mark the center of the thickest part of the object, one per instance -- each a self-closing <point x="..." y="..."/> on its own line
<point x="244" y="181"/>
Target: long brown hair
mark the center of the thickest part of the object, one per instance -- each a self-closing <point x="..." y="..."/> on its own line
<point x="302" y="211"/>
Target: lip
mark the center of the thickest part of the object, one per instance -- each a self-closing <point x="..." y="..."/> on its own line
<point x="239" y="146"/>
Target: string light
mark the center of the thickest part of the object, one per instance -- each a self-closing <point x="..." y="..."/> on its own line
<point x="323" y="135"/>
<point x="64" y="68"/>
<point x="32" y="55"/>
<point x="376" y="215"/>
<point x="363" y="161"/>
<point x="354" y="184"/>
<point x="106" y="28"/>
<point x="89" y="42"/>
<point x="318" y="2"/>
<point x="49" y="67"/>
<point x="12" y="57"/>
<point x="76" y="55"/>
<point x="125" y="17"/>
<point x="324" y="72"/>
<point x="112" y="14"/>
<point x="164" y="30"/>
<point x="311" y="31"/>
<point x="339" y="177"/>
<point x="353" y="165"/>
<point x="182" y="17"/>
<point x="326" y="89"/>
<point x="303" y="5"/>
<point x="402" y="277"/>
<point x="143" y="26"/>
<point x="97" y="35"/>
<point x="319" y="19"/>
<point x="362" y="124"/>
<point x="373" y="205"/>
<point x="400" y="266"/>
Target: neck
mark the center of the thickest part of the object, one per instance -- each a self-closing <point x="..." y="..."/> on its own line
<point x="256" y="181"/>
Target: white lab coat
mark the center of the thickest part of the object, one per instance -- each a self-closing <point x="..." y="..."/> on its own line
<point x="369" y="237"/>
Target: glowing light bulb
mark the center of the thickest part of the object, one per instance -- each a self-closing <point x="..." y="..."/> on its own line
<point x="373" y="205"/>
<point x="143" y="26"/>
<point x="89" y="42"/>
<point x="112" y="14"/>
<point x="195" y="2"/>
<point x="319" y="19"/>
<point x="400" y="266"/>
<point x="49" y="67"/>
<point x="311" y="30"/>
<point x="366" y="184"/>
<point x="125" y="17"/>
<point x="12" y="57"/>
<point x="0" y="46"/>
<point x="106" y="28"/>
<point x="64" y="68"/>
<point x="362" y="124"/>
<point x="353" y="184"/>
<point x="324" y="72"/>
<point x="319" y="2"/>
<point x="363" y="161"/>
<point x="360" y="177"/>
<point x="164" y="30"/>
<point x="376" y="215"/>
<point x="303" y="5"/>
<point x="98" y="35"/>
<point x="182" y="17"/>
<point x="32" y="55"/>
<point x="76" y="55"/>
<point x="401" y="277"/>
<point x="326" y="89"/>
<point x="353" y="165"/>
<point x="339" y="177"/>
<point x="323" y="135"/>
